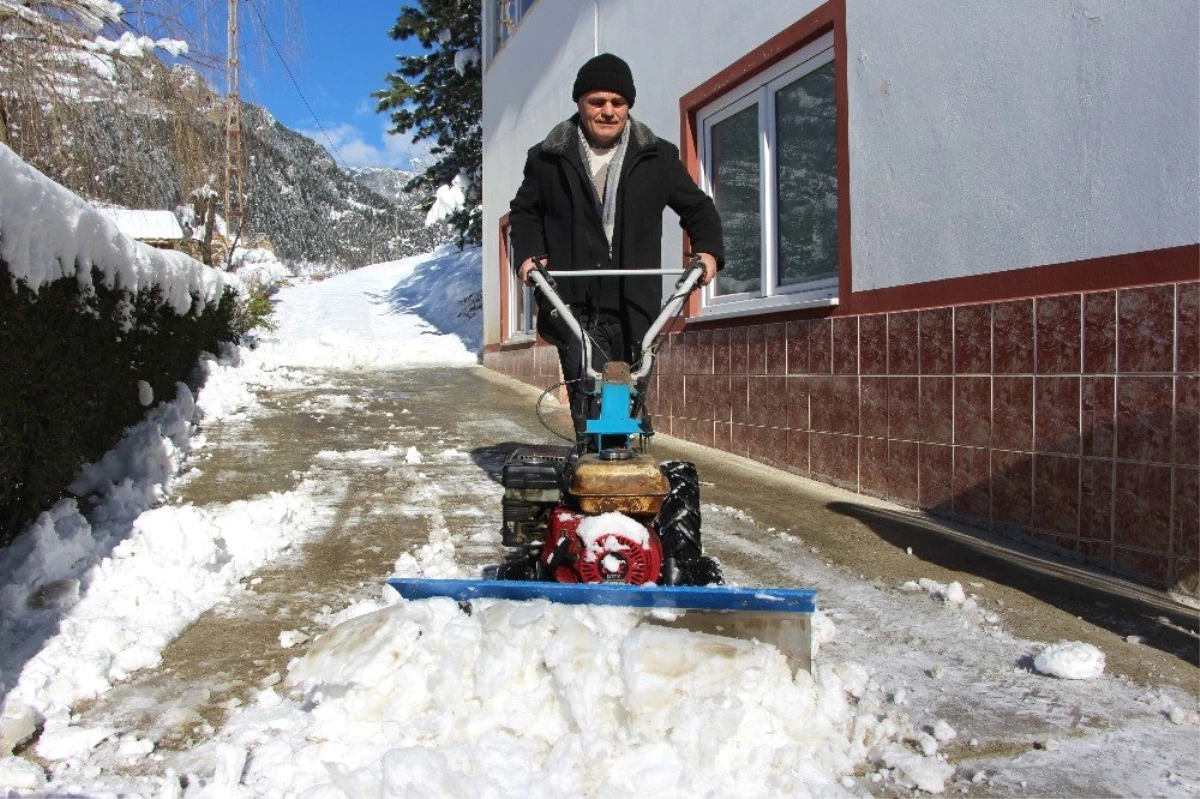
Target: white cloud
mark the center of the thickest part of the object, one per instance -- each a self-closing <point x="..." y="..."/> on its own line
<point x="353" y="148"/>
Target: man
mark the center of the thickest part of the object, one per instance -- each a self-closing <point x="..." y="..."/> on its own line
<point x="592" y="197"/>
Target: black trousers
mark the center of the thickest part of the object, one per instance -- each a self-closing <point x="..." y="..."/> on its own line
<point x="612" y="339"/>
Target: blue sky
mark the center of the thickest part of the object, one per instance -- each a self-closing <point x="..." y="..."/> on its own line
<point x="339" y="52"/>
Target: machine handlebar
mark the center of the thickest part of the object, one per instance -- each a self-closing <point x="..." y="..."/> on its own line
<point x="545" y="280"/>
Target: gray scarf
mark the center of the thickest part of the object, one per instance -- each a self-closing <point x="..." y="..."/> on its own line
<point x="607" y="204"/>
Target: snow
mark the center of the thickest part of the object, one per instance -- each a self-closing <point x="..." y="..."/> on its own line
<point x="1070" y="660"/>
<point x="364" y="319"/>
<point x="130" y="45"/>
<point x="599" y="534"/>
<point x="105" y="591"/>
<point x="538" y="699"/>
<point x="448" y="200"/>
<point x="49" y="233"/>
<point x="465" y="58"/>
<point x="950" y="593"/>
<point x="259" y="266"/>
<point x="142" y="224"/>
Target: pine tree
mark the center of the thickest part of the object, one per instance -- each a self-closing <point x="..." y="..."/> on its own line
<point x="438" y="96"/>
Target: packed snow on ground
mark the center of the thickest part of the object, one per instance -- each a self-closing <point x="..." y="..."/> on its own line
<point x="389" y="315"/>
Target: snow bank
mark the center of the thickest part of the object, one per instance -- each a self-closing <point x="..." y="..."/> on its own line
<point x="542" y="700"/>
<point x="1070" y="660"/>
<point x="87" y="600"/>
<point x="47" y="233"/>
<point x="445" y="289"/>
<point x="258" y="265"/>
<point x="536" y="699"/>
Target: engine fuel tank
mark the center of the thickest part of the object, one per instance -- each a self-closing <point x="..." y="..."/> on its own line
<point x="633" y="485"/>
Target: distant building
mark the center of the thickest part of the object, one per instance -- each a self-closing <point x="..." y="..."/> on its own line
<point x="963" y="255"/>
<point x="157" y="228"/>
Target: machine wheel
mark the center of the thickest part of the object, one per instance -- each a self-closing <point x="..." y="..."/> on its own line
<point x="518" y="566"/>
<point x="678" y="526"/>
<point x="702" y="571"/>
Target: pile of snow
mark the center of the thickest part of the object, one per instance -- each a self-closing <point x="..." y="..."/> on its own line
<point x="1070" y="660"/>
<point x="537" y="699"/>
<point x="47" y="233"/>
<point x="950" y="593"/>
<point x="445" y="288"/>
<point x="258" y="266"/>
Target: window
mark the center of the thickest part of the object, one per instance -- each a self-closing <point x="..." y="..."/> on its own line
<point x="768" y="153"/>
<point x="509" y="14"/>
<point x="521" y="311"/>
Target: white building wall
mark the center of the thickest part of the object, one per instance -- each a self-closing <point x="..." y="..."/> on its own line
<point x="983" y="136"/>
<point x="993" y="136"/>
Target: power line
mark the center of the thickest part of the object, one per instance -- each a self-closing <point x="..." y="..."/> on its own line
<point x="332" y="147"/>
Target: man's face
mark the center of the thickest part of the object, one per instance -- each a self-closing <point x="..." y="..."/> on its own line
<point x="604" y="115"/>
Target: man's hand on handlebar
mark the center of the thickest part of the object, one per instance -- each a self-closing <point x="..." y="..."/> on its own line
<point x="710" y="268"/>
<point x="523" y="273"/>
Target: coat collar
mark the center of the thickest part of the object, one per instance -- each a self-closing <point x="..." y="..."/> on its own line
<point x="561" y="140"/>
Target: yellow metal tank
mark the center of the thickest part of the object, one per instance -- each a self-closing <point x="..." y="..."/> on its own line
<point x="633" y="484"/>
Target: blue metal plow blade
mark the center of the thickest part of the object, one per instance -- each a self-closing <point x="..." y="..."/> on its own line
<point x="781" y="617"/>
<point x="777" y="600"/>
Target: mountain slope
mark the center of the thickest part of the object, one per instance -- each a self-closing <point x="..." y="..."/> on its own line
<point x="144" y="135"/>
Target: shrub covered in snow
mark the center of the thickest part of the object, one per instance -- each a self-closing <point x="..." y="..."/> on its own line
<point x="85" y="314"/>
<point x="71" y="361"/>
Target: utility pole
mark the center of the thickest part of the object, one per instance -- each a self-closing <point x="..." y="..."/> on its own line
<point x="235" y="195"/>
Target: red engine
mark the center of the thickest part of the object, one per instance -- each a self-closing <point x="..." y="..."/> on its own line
<point x="610" y="547"/>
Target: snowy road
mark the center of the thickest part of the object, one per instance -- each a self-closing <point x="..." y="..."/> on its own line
<point x="303" y="675"/>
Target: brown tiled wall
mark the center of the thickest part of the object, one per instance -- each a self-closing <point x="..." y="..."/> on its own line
<point x="1072" y="420"/>
<point x="535" y="365"/>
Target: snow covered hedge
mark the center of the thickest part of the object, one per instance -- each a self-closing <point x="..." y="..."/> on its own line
<point x="93" y="326"/>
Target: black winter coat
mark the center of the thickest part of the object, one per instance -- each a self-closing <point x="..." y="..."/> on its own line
<point x="555" y="214"/>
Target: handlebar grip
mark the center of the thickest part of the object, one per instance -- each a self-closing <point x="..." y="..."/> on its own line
<point x="539" y="263"/>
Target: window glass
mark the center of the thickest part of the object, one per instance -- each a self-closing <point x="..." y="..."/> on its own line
<point x="508" y="15"/>
<point x="736" y="188"/>
<point x="524" y="310"/>
<point x="769" y="157"/>
<point x="806" y="144"/>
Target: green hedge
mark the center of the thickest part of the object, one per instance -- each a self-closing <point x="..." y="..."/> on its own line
<point x="70" y="362"/>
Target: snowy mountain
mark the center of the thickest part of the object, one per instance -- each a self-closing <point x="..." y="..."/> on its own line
<point x="143" y="135"/>
<point x="384" y="181"/>
<point x="311" y="209"/>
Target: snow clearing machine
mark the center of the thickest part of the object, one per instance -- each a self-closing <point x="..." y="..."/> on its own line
<point x="603" y="522"/>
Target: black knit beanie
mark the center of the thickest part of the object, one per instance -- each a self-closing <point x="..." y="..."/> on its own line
<point x="605" y="73"/>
